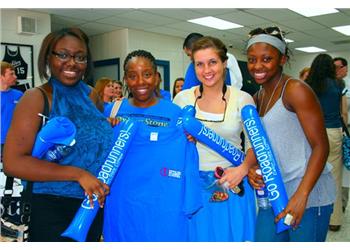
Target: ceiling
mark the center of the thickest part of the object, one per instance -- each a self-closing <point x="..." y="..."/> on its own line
<point x="312" y="31"/>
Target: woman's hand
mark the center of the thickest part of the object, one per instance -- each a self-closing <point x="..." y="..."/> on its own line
<point x="93" y="186"/>
<point x="234" y="175"/>
<point x="113" y="121"/>
<point x="190" y="138"/>
<point x="296" y="208"/>
<point x="255" y="180"/>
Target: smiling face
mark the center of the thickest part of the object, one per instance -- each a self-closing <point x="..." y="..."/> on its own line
<point x="141" y="78"/>
<point x="209" y="67"/>
<point x="69" y="72"/>
<point x="264" y="62"/>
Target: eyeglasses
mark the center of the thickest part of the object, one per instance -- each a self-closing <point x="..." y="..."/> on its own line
<point x="65" y="57"/>
<point x="274" y="31"/>
<point x="204" y="120"/>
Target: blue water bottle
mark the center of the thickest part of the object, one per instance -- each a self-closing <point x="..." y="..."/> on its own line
<point x="262" y="195"/>
<point x="56" y="153"/>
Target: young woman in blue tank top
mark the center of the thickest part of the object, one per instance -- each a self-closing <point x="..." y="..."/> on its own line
<point x="293" y="121"/>
<point x="59" y="188"/>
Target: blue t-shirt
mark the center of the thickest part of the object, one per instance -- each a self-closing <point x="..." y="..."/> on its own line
<point x="192" y="80"/>
<point x="9" y="99"/>
<point x="156" y="189"/>
<point x="330" y="103"/>
<point x="94" y="137"/>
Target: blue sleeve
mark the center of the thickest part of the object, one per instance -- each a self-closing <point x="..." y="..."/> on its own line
<point x="190" y="78"/>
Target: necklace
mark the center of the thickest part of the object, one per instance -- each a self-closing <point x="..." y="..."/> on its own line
<point x="273" y="93"/>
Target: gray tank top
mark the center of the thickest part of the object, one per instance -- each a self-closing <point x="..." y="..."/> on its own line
<point x="292" y="152"/>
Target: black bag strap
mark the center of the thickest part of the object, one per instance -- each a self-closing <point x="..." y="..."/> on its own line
<point x="27" y="192"/>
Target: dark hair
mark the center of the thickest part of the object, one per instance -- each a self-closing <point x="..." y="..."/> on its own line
<point x="118" y="82"/>
<point x="50" y="42"/>
<point x="344" y="62"/>
<point x="321" y="69"/>
<point x="174" y="86"/>
<point x="272" y="31"/>
<point x="190" y="39"/>
<point x="140" y="53"/>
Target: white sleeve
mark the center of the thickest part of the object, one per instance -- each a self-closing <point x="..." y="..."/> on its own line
<point x="181" y="99"/>
<point x="235" y="72"/>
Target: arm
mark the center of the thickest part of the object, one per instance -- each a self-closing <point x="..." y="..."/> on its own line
<point x="299" y="98"/>
<point x="234" y="175"/>
<point x="344" y="109"/>
<point x="18" y="161"/>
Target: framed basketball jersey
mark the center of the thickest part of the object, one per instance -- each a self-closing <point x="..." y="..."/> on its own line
<point x="21" y="57"/>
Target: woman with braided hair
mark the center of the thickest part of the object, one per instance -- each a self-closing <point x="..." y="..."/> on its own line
<point x="154" y="191"/>
<point x="292" y="118"/>
<point x="225" y="216"/>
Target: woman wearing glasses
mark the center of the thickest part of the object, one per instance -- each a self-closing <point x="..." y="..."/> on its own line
<point x="225" y="216"/>
<point x="293" y="120"/>
<point x="58" y="188"/>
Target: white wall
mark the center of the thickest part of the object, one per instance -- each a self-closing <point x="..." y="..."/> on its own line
<point x="109" y="45"/>
<point x="162" y="47"/>
<point x="9" y="32"/>
<point x="120" y="43"/>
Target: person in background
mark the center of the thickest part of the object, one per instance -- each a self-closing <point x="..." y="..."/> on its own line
<point x="225" y="216"/>
<point x="9" y="98"/>
<point x="105" y="89"/>
<point x="178" y="83"/>
<point x="322" y="80"/>
<point x="341" y="70"/>
<point x="304" y="73"/>
<point x="293" y="121"/>
<point x="59" y="188"/>
<point x="161" y="92"/>
<point x="233" y="75"/>
<point x="154" y="191"/>
<point x="118" y="90"/>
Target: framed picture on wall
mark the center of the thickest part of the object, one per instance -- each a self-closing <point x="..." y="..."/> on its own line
<point x="21" y="57"/>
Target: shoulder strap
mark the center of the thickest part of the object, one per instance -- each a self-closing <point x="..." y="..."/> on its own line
<point x="257" y="100"/>
<point x="115" y="109"/>
<point x="284" y="87"/>
<point x="46" y="111"/>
